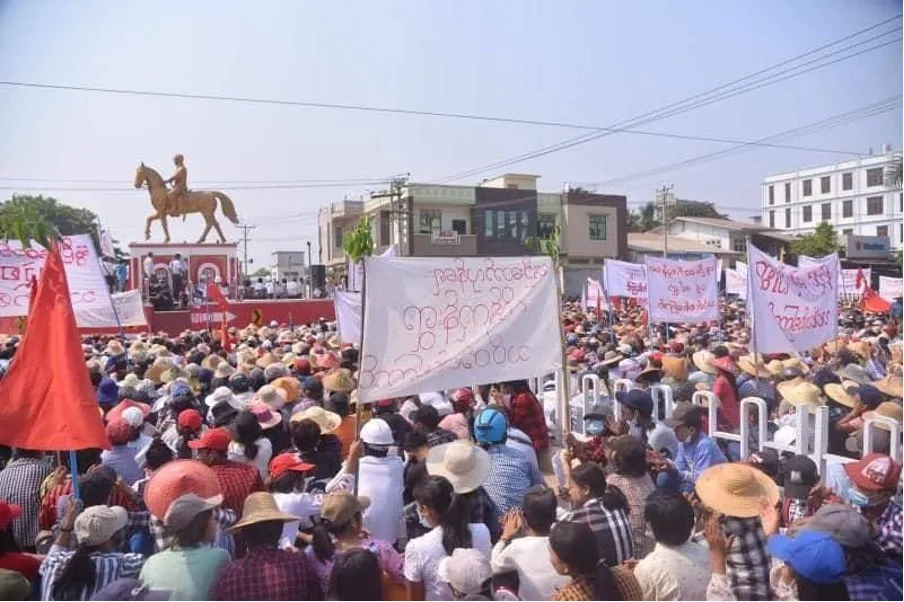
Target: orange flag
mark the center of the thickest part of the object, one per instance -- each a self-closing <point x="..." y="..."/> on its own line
<point x="46" y="398"/>
<point x="216" y="295"/>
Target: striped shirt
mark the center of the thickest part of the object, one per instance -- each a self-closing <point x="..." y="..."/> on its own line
<point x="20" y="483"/>
<point x="108" y="567"/>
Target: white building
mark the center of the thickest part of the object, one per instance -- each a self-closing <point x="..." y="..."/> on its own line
<point x="850" y="195"/>
<point x="288" y="265"/>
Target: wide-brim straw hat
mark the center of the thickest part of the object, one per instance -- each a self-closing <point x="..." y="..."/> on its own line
<point x="891" y="385"/>
<point x="856" y="373"/>
<point x="261" y="507"/>
<point x="704" y="361"/>
<point x="464" y="464"/>
<point x="838" y="393"/>
<point x="860" y="348"/>
<point x="290" y="387"/>
<point x="131" y="380"/>
<point x="114" y="347"/>
<point x="266" y="359"/>
<point x="886" y="409"/>
<point x="748" y="364"/>
<point x="727" y="364"/>
<point x="775" y="367"/>
<point x="224" y="370"/>
<point x="794" y="362"/>
<point x="326" y="420"/>
<point x="155" y="372"/>
<point x="611" y="357"/>
<point x="211" y="362"/>
<point x="174" y="374"/>
<point x="736" y="490"/>
<point x="340" y="381"/>
<point x="650" y="372"/>
<point x="675" y="367"/>
<point x="803" y="393"/>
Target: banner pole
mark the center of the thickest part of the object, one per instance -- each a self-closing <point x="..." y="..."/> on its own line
<point x="358" y="404"/>
<point x="562" y="390"/>
<point x="73" y="473"/>
<point x="122" y="334"/>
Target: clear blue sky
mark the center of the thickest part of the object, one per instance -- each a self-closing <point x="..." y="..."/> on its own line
<point x="592" y="62"/>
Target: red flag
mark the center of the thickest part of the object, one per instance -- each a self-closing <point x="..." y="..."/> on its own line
<point x="871" y="301"/>
<point x="224" y="334"/>
<point x="859" y="282"/>
<point x="599" y="309"/>
<point x="216" y="295"/>
<point x="46" y="398"/>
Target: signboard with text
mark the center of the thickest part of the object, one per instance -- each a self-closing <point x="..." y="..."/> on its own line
<point x="683" y="291"/>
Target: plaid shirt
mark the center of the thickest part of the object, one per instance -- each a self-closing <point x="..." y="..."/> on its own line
<point x="526" y="414"/>
<point x="238" y="482"/>
<point x="636" y="490"/>
<point x="614" y="536"/>
<point x="20" y="483"/>
<point x="268" y="574"/>
<point x="747" y="564"/>
<point x="582" y="589"/>
<point x="889" y="529"/>
<point x="510" y="476"/>
<point x="48" y="517"/>
<point x="145" y="521"/>
<point x="482" y="509"/>
<point x="877" y="582"/>
<point x="439" y="436"/>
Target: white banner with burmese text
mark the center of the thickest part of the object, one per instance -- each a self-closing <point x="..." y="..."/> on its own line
<point x="683" y="291"/>
<point x="890" y="288"/>
<point x="438" y="323"/>
<point x="348" y="316"/>
<point x="623" y="279"/>
<point x="794" y="309"/>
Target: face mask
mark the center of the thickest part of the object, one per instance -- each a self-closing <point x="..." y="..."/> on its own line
<point x="862" y="500"/>
<point x="595" y="427"/>
<point x="423" y="519"/>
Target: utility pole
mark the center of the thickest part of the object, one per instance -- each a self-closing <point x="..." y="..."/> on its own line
<point x="308" y="289"/>
<point x="245" y="230"/>
<point x="662" y="194"/>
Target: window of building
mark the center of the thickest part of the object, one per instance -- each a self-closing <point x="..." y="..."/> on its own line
<point x="787" y="192"/>
<point x="513" y="224"/>
<point x="460" y="226"/>
<point x="826" y="212"/>
<point x="771" y="194"/>
<point x="597" y="227"/>
<point x="739" y="244"/>
<point x="874" y="176"/>
<point x="901" y="202"/>
<point x="430" y="220"/>
<point x="787" y="218"/>
<point x="337" y="237"/>
<point x="488" y="223"/>
<point x="546" y="224"/>
<point x="500" y="224"/>
<point x="772" y="219"/>
<point x="847" y="231"/>
<point x="808" y="187"/>
<point x="524" y="223"/>
<point x="512" y="186"/>
<point x="882" y="231"/>
<point x="807" y="214"/>
<point x="874" y="205"/>
<point x="385" y="226"/>
<point x="847" y="209"/>
<point x="847" y="181"/>
<point x="825" y="184"/>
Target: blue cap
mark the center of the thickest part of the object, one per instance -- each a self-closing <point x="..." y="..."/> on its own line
<point x="180" y="390"/>
<point x="490" y="426"/>
<point x="814" y="555"/>
<point x="108" y="391"/>
<point x="637" y="399"/>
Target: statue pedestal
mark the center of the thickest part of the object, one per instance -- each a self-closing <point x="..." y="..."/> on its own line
<point x="207" y="260"/>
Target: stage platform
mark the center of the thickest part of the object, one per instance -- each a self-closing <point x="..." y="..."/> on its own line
<point x="239" y="314"/>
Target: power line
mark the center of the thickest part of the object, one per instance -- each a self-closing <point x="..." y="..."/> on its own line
<point x="340" y="181"/>
<point x="130" y="188"/>
<point x="685" y="105"/>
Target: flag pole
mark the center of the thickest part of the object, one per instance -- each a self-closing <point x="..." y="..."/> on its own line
<point x="562" y="389"/>
<point x="358" y="404"/>
<point x="73" y="473"/>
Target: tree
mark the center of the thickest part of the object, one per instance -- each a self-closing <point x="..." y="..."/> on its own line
<point x="647" y="217"/>
<point x="548" y="245"/>
<point x="359" y="242"/>
<point x="894" y="172"/>
<point x="60" y="218"/>
<point x="261" y="273"/>
<point x="823" y="241"/>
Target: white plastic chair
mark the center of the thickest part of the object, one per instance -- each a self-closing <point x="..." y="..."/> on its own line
<point x="620" y="385"/>
<point x="744" y="437"/>
<point x="662" y="394"/>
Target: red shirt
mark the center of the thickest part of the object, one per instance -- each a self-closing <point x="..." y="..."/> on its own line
<point x="729" y="406"/>
<point x="526" y="414"/>
<point x="238" y="481"/>
<point x="26" y="564"/>
<point x="48" y="516"/>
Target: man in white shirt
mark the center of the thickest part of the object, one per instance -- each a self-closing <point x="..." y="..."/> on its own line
<point x="293" y="289"/>
<point x="380" y="478"/>
<point x="177" y="270"/>
<point x="529" y="555"/>
<point x="147" y="271"/>
<point x="677" y="568"/>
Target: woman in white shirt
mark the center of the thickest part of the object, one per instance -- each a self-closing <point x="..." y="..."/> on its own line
<point x="446" y="515"/>
<point x="248" y="445"/>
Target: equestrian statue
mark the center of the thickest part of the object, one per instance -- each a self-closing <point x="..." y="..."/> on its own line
<point x="180" y="201"/>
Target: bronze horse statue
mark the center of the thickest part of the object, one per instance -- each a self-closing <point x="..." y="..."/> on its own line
<point x="201" y="201"/>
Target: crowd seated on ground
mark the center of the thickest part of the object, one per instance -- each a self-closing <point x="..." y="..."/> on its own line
<point x="253" y="474"/>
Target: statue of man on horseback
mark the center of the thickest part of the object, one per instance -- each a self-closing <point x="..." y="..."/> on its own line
<point x="179" y="187"/>
<point x="179" y="200"/>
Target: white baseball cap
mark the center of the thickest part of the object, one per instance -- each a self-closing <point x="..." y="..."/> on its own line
<point x="377" y="432"/>
<point x="466" y="570"/>
<point x="98" y="524"/>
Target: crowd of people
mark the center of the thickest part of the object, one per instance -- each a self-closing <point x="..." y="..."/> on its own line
<point x="253" y="474"/>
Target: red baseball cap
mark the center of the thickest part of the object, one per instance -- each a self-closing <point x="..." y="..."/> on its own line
<point x="286" y="462"/>
<point x="190" y="420"/>
<point x="874" y="472"/>
<point x="119" y="431"/>
<point x="8" y="513"/>
<point x="217" y="439"/>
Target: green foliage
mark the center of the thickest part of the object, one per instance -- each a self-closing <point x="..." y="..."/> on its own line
<point x="549" y="245"/>
<point x="823" y="241"/>
<point x="894" y="172"/>
<point x="897" y="259"/>
<point x="23" y="221"/>
<point x="261" y="272"/>
<point x="646" y="217"/>
<point x="44" y="217"/>
<point x="359" y="243"/>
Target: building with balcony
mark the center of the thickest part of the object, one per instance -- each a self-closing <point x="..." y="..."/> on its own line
<point x="853" y="196"/>
<point x="289" y="265"/>
<point x="723" y="237"/>
<point x="494" y="218"/>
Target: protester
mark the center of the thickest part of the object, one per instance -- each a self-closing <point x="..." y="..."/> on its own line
<point x="357" y="576"/>
<point x="467" y="573"/>
<point x="265" y="572"/>
<point x="12" y="557"/>
<point x="381" y="479"/>
<point x="627" y="457"/>
<point x="237" y="479"/>
<point x="248" y="445"/>
<point x="426" y="419"/>
<point x="573" y="553"/>
<point x="338" y="403"/>
<point x="444" y="513"/>
<point x="122" y="457"/>
<point x="697" y="450"/>
<point x="20" y="485"/>
<point x="876" y="479"/>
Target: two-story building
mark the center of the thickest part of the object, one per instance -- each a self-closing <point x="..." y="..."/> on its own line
<point x="494" y="218"/>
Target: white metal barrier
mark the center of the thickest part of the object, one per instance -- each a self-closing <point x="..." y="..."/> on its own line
<point x="800" y="446"/>
<point x="894" y="436"/>
<point x="698" y="397"/>
<point x="744" y="437"/>
<point x="581" y="403"/>
<point x="620" y="385"/>
<point x="662" y="396"/>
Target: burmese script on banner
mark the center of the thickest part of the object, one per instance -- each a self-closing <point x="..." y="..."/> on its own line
<point x="125" y="309"/>
<point x="794" y="309"/>
<point x="890" y="288"/>
<point x="847" y="278"/>
<point x="439" y="323"/>
<point x="683" y="291"/>
<point x="594" y="296"/>
<point x="348" y="316"/>
<point x="623" y="279"/>
<point x="87" y="287"/>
